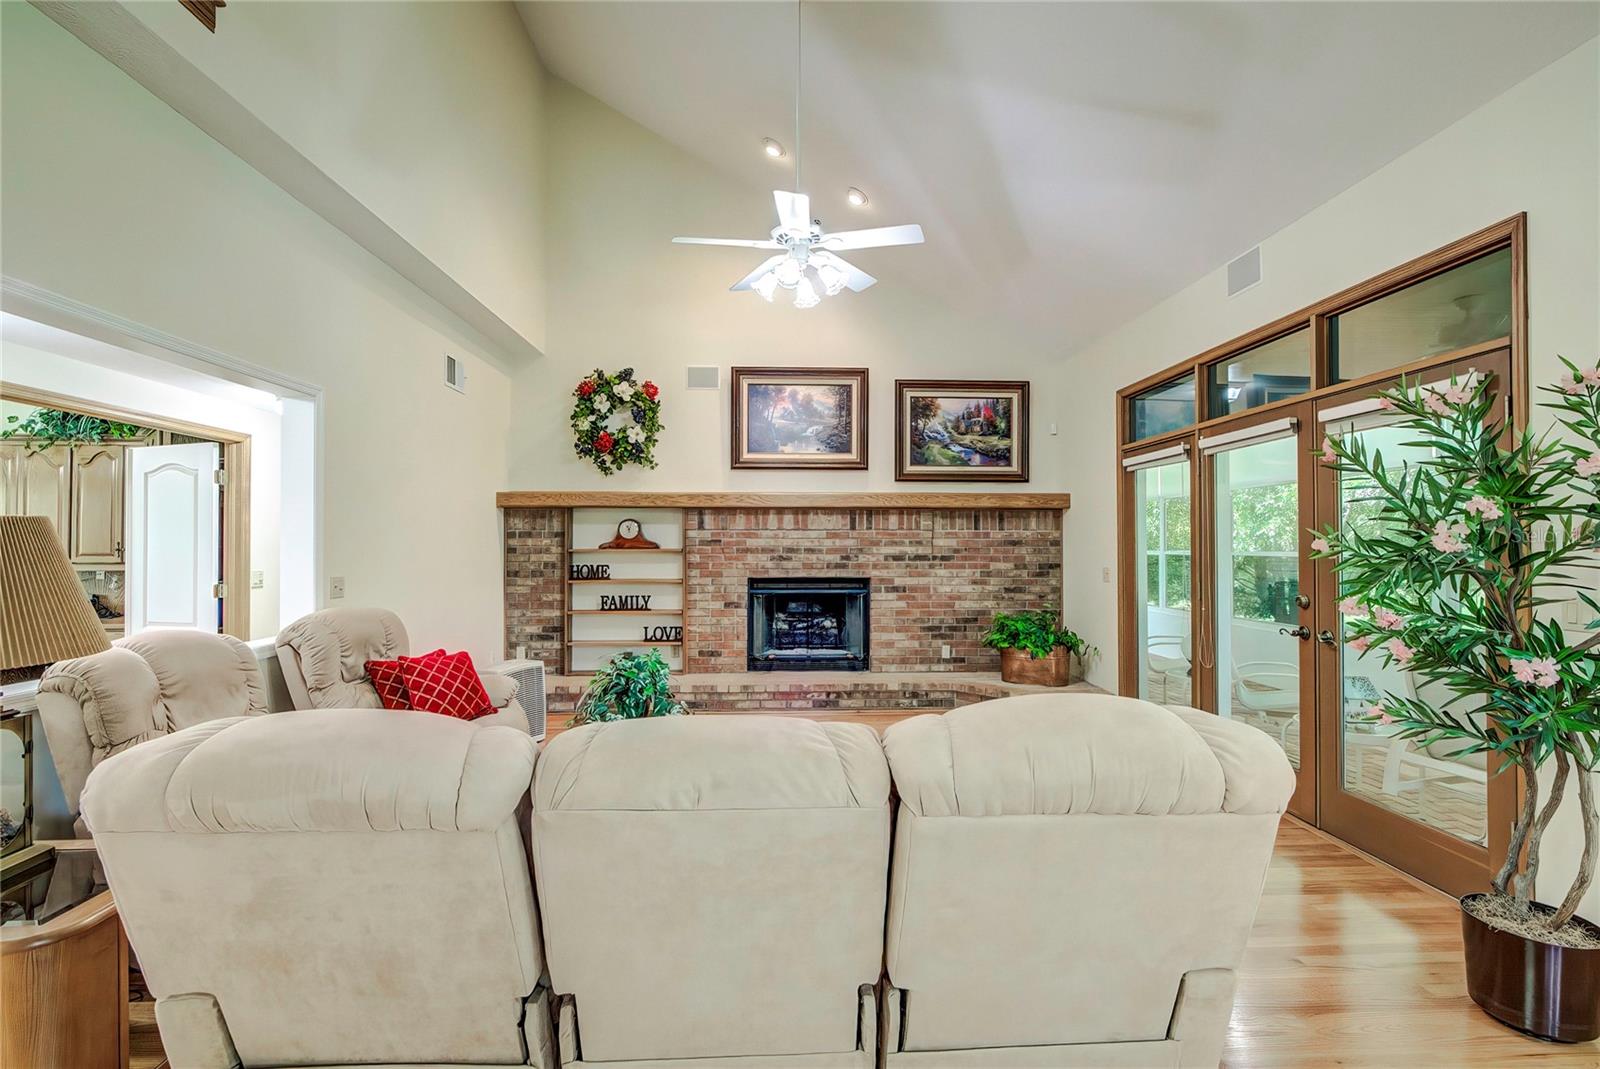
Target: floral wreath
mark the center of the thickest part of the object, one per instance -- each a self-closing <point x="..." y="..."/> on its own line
<point x="615" y="420"/>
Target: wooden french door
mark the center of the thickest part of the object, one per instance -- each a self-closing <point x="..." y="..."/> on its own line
<point x="1255" y="663"/>
<point x="1434" y="812"/>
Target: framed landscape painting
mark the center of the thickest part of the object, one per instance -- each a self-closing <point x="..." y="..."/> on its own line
<point x="786" y="417"/>
<point x="961" y="430"/>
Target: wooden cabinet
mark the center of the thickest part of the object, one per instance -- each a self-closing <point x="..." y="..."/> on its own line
<point x="36" y="484"/>
<point x="95" y="522"/>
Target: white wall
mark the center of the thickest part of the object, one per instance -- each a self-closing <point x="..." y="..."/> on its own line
<point x="23" y="365"/>
<point x="1535" y="148"/>
<point x="429" y="114"/>
<point x="114" y="200"/>
<point x="621" y="294"/>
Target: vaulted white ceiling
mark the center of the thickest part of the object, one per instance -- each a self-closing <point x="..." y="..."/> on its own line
<point x="1072" y="164"/>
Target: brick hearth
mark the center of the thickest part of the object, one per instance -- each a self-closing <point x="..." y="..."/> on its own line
<point x="938" y="574"/>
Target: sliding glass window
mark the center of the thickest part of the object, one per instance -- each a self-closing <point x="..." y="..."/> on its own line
<point x="1162" y="409"/>
<point x="1272" y="371"/>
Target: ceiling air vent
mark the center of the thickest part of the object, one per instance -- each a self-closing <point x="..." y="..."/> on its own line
<point x="1244" y="272"/>
<point x="703" y="378"/>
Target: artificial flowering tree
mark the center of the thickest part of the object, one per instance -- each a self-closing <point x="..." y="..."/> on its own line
<point x="1452" y="575"/>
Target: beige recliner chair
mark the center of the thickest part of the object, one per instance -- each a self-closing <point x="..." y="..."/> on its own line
<point x="313" y="890"/>
<point x="1074" y="879"/>
<point x="712" y="891"/>
<point x="147" y="685"/>
<point x="323" y="657"/>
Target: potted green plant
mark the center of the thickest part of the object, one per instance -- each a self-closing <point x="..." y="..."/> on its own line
<point x="45" y="427"/>
<point x="1034" y="647"/>
<point x="1451" y="576"/>
<point x="629" y="686"/>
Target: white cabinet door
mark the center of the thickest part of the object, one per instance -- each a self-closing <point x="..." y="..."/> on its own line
<point x="96" y="535"/>
<point x="173" y="552"/>
<point x="36" y="483"/>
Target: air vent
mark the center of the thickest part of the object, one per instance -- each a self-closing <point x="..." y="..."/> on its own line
<point x="704" y="378"/>
<point x="455" y="374"/>
<point x="1244" y="272"/>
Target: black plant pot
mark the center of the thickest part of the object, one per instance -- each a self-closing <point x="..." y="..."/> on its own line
<point x="1546" y="991"/>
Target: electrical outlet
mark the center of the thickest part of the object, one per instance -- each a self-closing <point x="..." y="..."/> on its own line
<point x="258" y="580"/>
<point x="944" y="651"/>
<point x="1105" y="575"/>
<point x="336" y="587"/>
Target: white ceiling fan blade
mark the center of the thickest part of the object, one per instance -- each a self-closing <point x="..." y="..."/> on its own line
<point x="766" y="265"/>
<point x="743" y="243"/>
<point x="794" y="210"/>
<point x="876" y="238"/>
<point x="855" y="278"/>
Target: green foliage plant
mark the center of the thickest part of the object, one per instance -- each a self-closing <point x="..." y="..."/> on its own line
<point x="46" y="427"/>
<point x="627" y="687"/>
<point x="1038" y="631"/>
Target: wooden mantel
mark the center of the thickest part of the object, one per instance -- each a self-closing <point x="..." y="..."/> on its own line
<point x="561" y="499"/>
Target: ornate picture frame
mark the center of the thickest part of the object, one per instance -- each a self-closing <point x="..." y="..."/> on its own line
<point x="961" y="430"/>
<point x="799" y="418"/>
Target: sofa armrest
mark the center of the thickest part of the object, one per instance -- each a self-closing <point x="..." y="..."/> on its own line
<point x="502" y="689"/>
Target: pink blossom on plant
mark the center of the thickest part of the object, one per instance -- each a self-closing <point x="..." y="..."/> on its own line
<point x="1351" y="606"/>
<point x="1483" y="506"/>
<point x="1386" y="403"/>
<point x="1575" y="386"/>
<point x="1447" y="537"/>
<point x="1434" y="403"/>
<point x="1388" y="619"/>
<point x="1380" y="714"/>
<point x="1360" y="644"/>
<point x="1399" y="650"/>
<point x="1328" y="455"/>
<point x="1319" y="545"/>
<point x="1457" y="395"/>
<point x="1589" y="465"/>
<point x="1540" y="671"/>
<point x="1590" y="376"/>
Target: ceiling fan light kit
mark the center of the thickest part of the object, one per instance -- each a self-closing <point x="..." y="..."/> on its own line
<point x="808" y="264"/>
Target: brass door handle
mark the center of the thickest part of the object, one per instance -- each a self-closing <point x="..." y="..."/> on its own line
<point x="1326" y="638"/>
<point x="1303" y="633"/>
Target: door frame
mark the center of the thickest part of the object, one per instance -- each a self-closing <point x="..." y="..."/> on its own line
<point x="1303" y="803"/>
<point x="1129" y="567"/>
<point x="235" y="492"/>
<point x="1430" y="854"/>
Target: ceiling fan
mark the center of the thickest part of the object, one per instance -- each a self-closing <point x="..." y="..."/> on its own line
<point x="808" y="264"/>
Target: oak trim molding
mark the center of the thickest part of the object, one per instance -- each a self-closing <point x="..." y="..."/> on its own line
<point x="560" y="499"/>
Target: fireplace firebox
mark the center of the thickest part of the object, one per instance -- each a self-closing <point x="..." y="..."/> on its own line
<point x="809" y="624"/>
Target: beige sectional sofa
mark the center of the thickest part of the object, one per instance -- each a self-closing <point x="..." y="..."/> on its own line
<point x="1070" y="883"/>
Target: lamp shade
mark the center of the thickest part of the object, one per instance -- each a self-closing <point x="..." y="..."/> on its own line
<point x="44" y="614"/>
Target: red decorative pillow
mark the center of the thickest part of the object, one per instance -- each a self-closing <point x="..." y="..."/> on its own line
<point x="445" y="683"/>
<point x="389" y="683"/>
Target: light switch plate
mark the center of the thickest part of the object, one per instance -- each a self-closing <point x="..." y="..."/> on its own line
<point x="336" y="587"/>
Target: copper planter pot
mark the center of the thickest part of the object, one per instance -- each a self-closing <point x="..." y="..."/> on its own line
<point x="1546" y="991"/>
<point x="1018" y="666"/>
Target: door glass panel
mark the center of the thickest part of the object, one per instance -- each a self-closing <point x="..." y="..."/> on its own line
<point x="1168" y="407"/>
<point x="1452" y="310"/>
<point x="1270" y="372"/>
<point x="1161" y="497"/>
<point x="1258" y="577"/>
<point x="1433" y="785"/>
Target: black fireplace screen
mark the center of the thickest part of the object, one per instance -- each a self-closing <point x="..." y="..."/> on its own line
<point x="808" y="624"/>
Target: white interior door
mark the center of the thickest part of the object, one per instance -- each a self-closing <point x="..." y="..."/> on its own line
<point x="173" y="550"/>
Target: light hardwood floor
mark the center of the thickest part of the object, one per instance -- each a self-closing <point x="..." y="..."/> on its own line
<point x="1350" y="964"/>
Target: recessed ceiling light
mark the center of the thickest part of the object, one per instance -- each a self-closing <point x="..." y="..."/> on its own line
<point x="856" y="198"/>
<point x="772" y="148"/>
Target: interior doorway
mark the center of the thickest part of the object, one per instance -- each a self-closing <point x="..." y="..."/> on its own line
<point x="154" y="512"/>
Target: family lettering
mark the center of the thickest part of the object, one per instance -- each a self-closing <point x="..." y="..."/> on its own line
<point x="625" y="602"/>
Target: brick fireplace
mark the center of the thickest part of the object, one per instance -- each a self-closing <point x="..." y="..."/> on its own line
<point x="935" y="571"/>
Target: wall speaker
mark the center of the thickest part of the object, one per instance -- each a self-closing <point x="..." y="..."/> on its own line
<point x="1244" y="272"/>
<point x="704" y="378"/>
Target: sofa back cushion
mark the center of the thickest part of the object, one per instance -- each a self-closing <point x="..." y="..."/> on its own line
<point x="348" y="888"/>
<point x="145" y="686"/>
<point x="712" y="886"/>
<point x="324" y="656"/>
<point x="1061" y="861"/>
